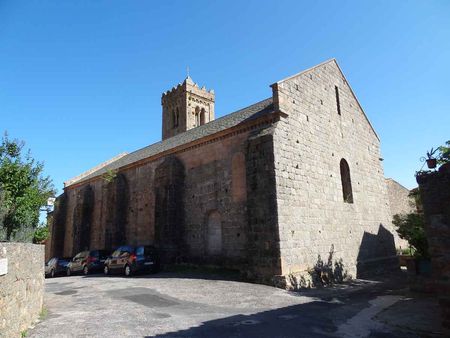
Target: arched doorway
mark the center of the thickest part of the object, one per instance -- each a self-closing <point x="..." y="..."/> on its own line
<point x="214" y="234"/>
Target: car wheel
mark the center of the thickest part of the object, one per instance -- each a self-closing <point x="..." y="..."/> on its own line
<point x="52" y="273"/>
<point x="127" y="270"/>
<point x="86" y="270"/>
<point x="68" y="272"/>
<point x="106" y="270"/>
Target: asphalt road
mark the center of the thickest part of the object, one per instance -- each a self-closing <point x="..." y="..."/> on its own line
<point x="189" y="305"/>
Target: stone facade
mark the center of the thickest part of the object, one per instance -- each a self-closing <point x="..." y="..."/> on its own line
<point x="326" y="124"/>
<point x="188" y="199"/>
<point x="269" y="189"/>
<point x="22" y="288"/>
<point x="400" y="202"/>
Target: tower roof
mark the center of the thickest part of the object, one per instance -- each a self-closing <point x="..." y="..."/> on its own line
<point x="188" y="80"/>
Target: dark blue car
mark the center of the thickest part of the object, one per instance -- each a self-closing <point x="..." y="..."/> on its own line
<point x="129" y="260"/>
<point x="56" y="266"/>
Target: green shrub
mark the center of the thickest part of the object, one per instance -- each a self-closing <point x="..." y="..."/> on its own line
<point x="444" y="153"/>
<point x="40" y="235"/>
<point x="412" y="228"/>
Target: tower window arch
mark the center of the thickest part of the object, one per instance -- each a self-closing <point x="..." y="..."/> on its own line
<point x="202" y="116"/>
<point x="197" y="116"/>
<point x="346" y="181"/>
<point x="175" y="117"/>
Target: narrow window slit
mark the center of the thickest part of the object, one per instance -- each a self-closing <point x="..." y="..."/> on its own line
<point x="338" y="103"/>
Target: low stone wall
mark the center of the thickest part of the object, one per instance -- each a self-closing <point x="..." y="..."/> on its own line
<point x="22" y="288"/>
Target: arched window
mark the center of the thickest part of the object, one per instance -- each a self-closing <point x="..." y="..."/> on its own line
<point x="214" y="234"/>
<point x="197" y="116"/>
<point x="177" y="117"/>
<point x="346" y="182"/>
<point x="202" y="116"/>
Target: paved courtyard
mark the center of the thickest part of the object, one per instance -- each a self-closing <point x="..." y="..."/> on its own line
<point x="194" y="305"/>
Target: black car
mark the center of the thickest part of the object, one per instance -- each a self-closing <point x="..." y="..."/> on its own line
<point x="87" y="261"/>
<point x="56" y="266"/>
<point x="129" y="260"/>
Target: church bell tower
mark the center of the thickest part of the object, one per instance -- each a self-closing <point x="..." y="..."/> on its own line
<point x="186" y="106"/>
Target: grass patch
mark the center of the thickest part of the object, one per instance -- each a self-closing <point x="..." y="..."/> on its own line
<point x="406" y="251"/>
<point x="24" y="333"/>
<point x="44" y="313"/>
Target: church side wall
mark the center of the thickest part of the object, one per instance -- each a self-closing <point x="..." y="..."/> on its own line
<point x="315" y="223"/>
<point x="214" y="228"/>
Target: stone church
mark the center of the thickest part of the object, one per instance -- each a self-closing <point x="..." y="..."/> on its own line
<point x="274" y="189"/>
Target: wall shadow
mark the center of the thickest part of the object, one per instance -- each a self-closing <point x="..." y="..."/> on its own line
<point x="302" y="320"/>
<point x="324" y="273"/>
<point x="377" y="255"/>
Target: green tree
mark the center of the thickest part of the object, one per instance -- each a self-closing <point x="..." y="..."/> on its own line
<point x="412" y="228"/>
<point x="23" y="188"/>
<point x="444" y="153"/>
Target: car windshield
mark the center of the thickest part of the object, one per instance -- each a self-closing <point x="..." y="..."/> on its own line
<point x="127" y="248"/>
<point x="116" y="253"/>
<point x="81" y="254"/>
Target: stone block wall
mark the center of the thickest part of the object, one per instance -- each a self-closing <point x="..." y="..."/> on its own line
<point x="22" y="288"/>
<point x="400" y="203"/>
<point x="263" y="247"/>
<point x="267" y="197"/>
<point x="435" y="195"/>
<point x="205" y="203"/>
<point x="315" y="223"/>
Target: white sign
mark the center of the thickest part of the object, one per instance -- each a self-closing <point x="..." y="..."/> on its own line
<point x="51" y="201"/>
<point x="3" y="266"/>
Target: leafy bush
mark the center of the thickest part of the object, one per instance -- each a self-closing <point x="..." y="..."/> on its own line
<point x="41" y="234"/>
<point x="444" y="153"/>
<point x="412" y="228"/>
<point x="110" y="175"/>
<point x="406" y="251"/>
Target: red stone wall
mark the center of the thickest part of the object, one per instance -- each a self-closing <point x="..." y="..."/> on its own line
<point x="215" y="181"/>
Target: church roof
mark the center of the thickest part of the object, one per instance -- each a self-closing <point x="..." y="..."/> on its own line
<point x="228" y="121"/>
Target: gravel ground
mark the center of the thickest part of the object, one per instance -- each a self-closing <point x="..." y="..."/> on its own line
<point x="195" y="305"/>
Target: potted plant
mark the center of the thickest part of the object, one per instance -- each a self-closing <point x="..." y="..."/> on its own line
<point x="431" y="160"/>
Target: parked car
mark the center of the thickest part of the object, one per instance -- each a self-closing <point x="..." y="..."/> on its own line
<point x="56" y="266"/>
<point x="129" y="260"/>
<point x="87" y="261"/>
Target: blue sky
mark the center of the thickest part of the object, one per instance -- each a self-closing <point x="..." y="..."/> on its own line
<point x="81" y="81"/>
